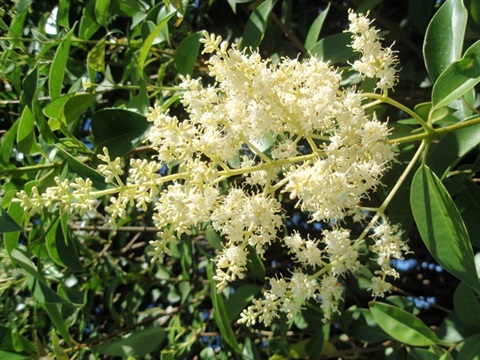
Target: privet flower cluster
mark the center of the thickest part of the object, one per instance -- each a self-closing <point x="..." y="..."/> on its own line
<point x="275" y="128"/>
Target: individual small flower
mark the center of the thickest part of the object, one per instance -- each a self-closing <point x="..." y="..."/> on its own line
<point x="379" y="286"/>
<point x="111" y="169"/>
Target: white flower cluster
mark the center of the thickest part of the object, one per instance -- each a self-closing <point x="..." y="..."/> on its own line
<point x="260" y="130"/>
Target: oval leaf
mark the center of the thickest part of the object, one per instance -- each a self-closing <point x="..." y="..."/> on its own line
<point x="119" y="130"/>
<point x="467" y="306"/>
<point x="441" y="227"/>
<point x="187" y="52"/>
<point x="59" y="67"/>
<point x="458" y="78"/>
<point x="444" y="38"/>
<point x="402" y="326"/>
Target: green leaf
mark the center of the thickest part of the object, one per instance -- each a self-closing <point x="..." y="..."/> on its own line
<point x="256" y="25"/>
<point x="96" y="56"/>
<point x="314" y="31"/>
<point x="441" y="227"/>
<point x="147" y="44"/>
<point x="458" y="78"/>
<point x="7" y="143"/>
<point x="444" y="37"/>
<point x="119" y="130"/>
<point x="467" y="306"/>
<point x="402" y="326"/>
<point x="220" y="313"/>
<point x="53" y="311"/>
<point x="7" y="224"/>
<point x="61" y="247"/>
<point x="101" y="11"/>
<point x="138" y="344"/>
<point x="88" y="25"/>
<point x="468" y="203"/>
<point x="187" y="52"/>
<point x="59" y="66"/>
<point x="26" y="139"/>
<point x="62" y="13"/>
<point x="452" y="148"/>
<point x="470" y="349"/>
<point x="333" y="48"/>
<point x="30" y="85"/>
<point x="363" y="327"/>
<point x="57" y="349"/>
<point x="68" y="108"/>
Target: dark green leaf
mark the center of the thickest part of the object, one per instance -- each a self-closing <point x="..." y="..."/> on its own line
<point x="137" y="344"/>
<point x="458" y="78"/>
<point x="68" y="108"/>
<point x="256" y="25"/>
<point x="468" y="203"/>
<point x="452" y="148"/>
<point x="187" y="52"/>
<point x="30" y="85"/>
<point x="53" y="311"/>
<point x="402" y="326"/>
<point x="59" y="67"/>
<point x="119" y="130"/>
<point x="470" y="349"/>
<point x="363" y="327"/>
<point x="467" y="305"/>
<point x="63" y="13"/>
<point x="314" y="31"/>
<point x="441" y="227"/>
<point x="7" y="224"/>
<point x="444" y="38"/>
<point x="61" y="247"/>
<point x="333" y="48"/>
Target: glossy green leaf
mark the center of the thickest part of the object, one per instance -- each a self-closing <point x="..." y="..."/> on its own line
<point x="402" y="326"/>
<point x="119" y="130"/>
<point x="7" y="224"/>
<point x="26" y="138"/>
<point x="61" y="247"/>
<point x="333" y="48"/>
<point x="147" y="44"/>
<point x="470" y="349"/>
<point x="137" y="344"/>
<point x="452" y="148"/>
<point x="444" y="37"/>
<point x="96" y="56"/>
<point x="257" y="24"/>
<point x="30" y="85"/>
<point x="467" y="305"/>
<point x="441" y="227"/>
<point x="59" y="67"/>
<point x="314" y="31"/>
<point x="101" y="11"/>
<point x="220" y="313"/>
<point x="187" y="53"/>
<point x="458" y="78"/>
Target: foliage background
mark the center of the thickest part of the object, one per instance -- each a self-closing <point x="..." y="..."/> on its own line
<point x="70" y="288"/>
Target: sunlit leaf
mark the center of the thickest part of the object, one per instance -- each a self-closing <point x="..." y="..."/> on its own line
<point x="59" y="66"/>
<point x="314" y="31"/>
<point x="444" y="37"/>
<point x="441" y="227"/>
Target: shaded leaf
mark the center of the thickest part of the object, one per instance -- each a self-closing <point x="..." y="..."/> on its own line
<point x="7" y="224"/>
<point x="139" y="343"/>
<point x="441" y="227"/>
<point x="314" y="31"/>
<point x="119" y="130"/>
<point x="333" y="48"/>
<point x="467" y="306"/>
<point x="187" y="52"/>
